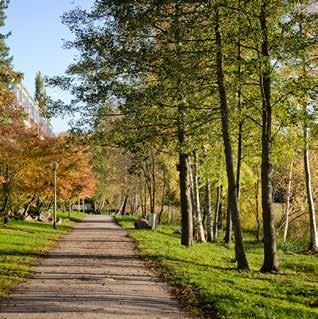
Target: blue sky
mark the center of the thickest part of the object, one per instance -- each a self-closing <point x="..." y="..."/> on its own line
<point x="36" y="41"/>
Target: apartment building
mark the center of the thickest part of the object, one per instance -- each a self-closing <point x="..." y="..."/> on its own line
<point x="31" y="108"/>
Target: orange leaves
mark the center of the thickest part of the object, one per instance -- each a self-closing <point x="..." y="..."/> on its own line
<point x="25" y="160"/>
<point x="74" y="174"/>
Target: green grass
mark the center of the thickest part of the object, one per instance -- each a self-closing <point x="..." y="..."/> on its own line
<point x="208" y="272"/>
<point x="21" y="243"/>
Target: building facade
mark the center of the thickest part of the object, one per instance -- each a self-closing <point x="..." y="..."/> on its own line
<point x="31" y="108"/>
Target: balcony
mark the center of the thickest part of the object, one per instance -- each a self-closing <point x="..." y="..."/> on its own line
<point x="31" y="108"/>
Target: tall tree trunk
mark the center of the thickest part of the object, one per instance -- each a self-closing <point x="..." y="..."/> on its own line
<point x="270" y="251"/>
<point x="199" y="225"/>
<point x="185" y="198"/>
<point x="141" y="195"/>
<point x="239" y="109"/>
<point x="288" y="197"/>
<point x="208" y="205"/>
<point x="239" y="160"/>
<point x="239" y="246"/>
<point x="145" y="200"/>
<point x="208" y="210"/>
<point x="220" y="214"/>
<point x="185" y="201"/>
<point x="313" y="245"/>
<point x="228" y="229"/>
<point x="164" y="181"/>
<point x="258" y="224"/>
<point x="216" y="213"/>
<point x="154" y="186"/>
<point x="193" y="201"/>
<point x="122" y="208"/>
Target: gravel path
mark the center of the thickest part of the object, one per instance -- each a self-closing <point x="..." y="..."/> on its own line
<point x="94" y="273"/>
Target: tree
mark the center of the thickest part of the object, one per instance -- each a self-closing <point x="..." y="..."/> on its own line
<point x="40" y="94"/>
<point x="5" y="58"/>
<point x="233" y="204"/>
<point x="270" y="251"/>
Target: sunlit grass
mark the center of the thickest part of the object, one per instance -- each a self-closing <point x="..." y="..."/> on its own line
<point x="22" y="242"/>
<point x="209" y="270"/>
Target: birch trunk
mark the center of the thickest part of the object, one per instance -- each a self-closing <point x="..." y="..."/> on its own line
<point x="313" y="245"/>
<point x="199" y="225"/>
<point x="208" y="210"/>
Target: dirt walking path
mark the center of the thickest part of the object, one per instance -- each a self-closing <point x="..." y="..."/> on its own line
<point x="94" y="273"/>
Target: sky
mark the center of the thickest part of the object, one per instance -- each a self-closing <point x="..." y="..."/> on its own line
<point x="36" y="42"/>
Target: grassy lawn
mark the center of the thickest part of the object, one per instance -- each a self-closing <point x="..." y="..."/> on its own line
<point x="208" y="272"/>
<point x="21" y="243"/>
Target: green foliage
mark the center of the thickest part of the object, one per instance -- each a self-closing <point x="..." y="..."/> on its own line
<point x="5" y="58"/>
<point x="209" y="271"/>
<point x="40" y="93"/>
<point x="22" y="242"/>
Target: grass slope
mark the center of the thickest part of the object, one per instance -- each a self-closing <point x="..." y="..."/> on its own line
<point x="21" y="243"/>
<point x="209" y="270"/>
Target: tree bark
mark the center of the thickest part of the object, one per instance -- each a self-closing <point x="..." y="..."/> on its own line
<point x="208" y="210"/>
<point x="199" y="225"/>
<point x="122" y="208"/>
<point x="193" y="202"/>
<point x="258" y="227"/>
<point x="185" y="198"/>
<point x="313" y="244"/>
<point x="154" y="186"/>
<point x="288" y="197"/>
<point x="270" y="263"/>
<point x="239" y="108"/>
<point x="239" y="246"/>
<point x="228" y="229"/>
<point x="185" y="201"/>
<point x="216" y="213"/>
<point x="163" y="193"/>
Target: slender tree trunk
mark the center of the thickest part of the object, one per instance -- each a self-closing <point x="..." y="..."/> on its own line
<point x="239" y="160"/>
<point x="258" y="227"/>
<point x="185" y="199"/>
<point x="26" y="210"/>
<point x="193" y="201"/>
<point x="208" y="205"/>
<point x="154" y="186"/>
<point x="228" y="229"/>
<point x="141" y="195"/>
<point x="122" y="208"/>
<point x="220" y="213"/>
<point x="133" y="204"/>
<point x="208" y="211"/>
<point x="199" y="225"/>
<point x="239" y="108"/>
<point x="185" y="202"/>
<point x="233" y="206"/>
<point x="313" y="245"/>
<point x="216" y="213"/>
<point x="145" y="200"/>
<point x="6" y="188"/>
<point x="163" y="193"/>
<point x="288" y="197"/>
<point x="270" y="251"/>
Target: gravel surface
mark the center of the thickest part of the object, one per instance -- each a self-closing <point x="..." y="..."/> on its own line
<point x="94" y="273"/>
